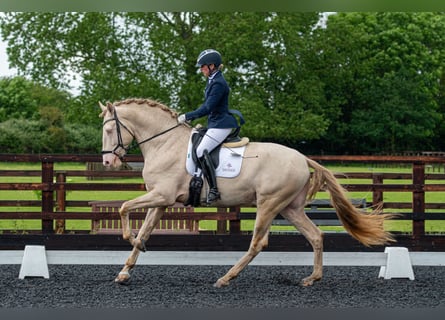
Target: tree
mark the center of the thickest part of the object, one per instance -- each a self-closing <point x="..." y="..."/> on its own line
<point x="16" y="100"/>
<point x="32" y="119"/>
<point x="366" y="83"/>
<point x="388" y="66"/>
<point x="21" y="98"/>
<point x="120" y="55"/>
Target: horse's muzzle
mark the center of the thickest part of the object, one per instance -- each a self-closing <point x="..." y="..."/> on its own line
<point x="111" y="159"/>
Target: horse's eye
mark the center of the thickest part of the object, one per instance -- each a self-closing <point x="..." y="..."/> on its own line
<point x="108" y="128"/>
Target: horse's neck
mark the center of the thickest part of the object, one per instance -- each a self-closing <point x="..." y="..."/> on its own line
<point x="159" y="141"/>
<point x="151" y="125"/>
<point x="166" y="151"/>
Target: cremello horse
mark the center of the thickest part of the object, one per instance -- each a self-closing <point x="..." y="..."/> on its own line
<point x="274" y="178"/>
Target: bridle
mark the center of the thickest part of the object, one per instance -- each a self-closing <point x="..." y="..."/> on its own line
<point x="120" y="143"/>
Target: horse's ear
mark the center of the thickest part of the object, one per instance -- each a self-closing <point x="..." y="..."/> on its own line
<point x="102" y="106"/>
<point x="110" y="106"/>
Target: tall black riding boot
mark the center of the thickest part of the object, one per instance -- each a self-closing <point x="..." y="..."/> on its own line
<point x="195" y="187"/>
<point x="209" y="171"/>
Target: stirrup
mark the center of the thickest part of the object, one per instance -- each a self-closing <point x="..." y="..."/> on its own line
<point x="213" y="195"/>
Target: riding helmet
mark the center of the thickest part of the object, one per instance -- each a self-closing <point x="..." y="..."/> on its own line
<point x="209" y="56"/>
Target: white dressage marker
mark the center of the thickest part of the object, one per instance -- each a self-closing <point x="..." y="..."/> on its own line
<point x="398" y="264"/>
<point x="34" y="263"/>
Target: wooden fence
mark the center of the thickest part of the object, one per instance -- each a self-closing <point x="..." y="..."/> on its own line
<point x="53" y="208"/>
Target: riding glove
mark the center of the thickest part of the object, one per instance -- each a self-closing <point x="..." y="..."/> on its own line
<point x="181" y="118"/>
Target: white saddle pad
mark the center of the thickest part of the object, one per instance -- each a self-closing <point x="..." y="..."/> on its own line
<point x="230" y="161"/>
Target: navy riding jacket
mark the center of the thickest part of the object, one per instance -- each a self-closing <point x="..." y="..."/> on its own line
<point x="216" y="104"/>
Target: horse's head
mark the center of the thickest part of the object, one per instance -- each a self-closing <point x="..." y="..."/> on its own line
<point x="116" y="137"/>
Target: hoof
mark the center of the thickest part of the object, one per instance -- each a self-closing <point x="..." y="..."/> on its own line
<point x="306" y="282"/>
<point x="123" y="278"/>
<point x="309" y="281"/>
<point x="220" y="283"/>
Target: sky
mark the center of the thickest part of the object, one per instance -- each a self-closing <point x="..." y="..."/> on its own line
<point x="4" y="65"/>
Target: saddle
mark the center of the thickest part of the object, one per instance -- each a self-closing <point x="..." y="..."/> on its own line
<point x="232" y="141"/>
<point x="196" y="183"/>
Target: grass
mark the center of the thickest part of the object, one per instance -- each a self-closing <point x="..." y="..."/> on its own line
<point x="20" y="225"/>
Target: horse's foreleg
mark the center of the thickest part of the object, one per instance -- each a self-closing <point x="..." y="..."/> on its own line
<point x="150" y="222"/>
<point x="259" y="241"/>
<point x="125" y="219"/>
<point x="315" y="237"/>
<point x="150" y="199"/>
<point x="124" y="275"/>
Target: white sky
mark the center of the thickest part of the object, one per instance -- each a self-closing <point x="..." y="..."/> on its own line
<point x="4" y="65"/>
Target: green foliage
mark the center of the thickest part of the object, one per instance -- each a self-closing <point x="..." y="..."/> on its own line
<point x="22" y="136"/>
<point x="81" y="138"/>
<point x="121" y="55"/>
<point x="388" y="66"/>
<point x="34" y="136"/>
<point x="15" y="99"/>
<point x="368" y="82"/>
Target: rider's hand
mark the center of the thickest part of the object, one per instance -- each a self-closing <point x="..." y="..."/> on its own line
<point x="181" y="118"/>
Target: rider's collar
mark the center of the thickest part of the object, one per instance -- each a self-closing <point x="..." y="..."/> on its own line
<point x="213" y="75"/>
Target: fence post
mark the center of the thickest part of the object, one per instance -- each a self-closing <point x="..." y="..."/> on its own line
<point x="377" y="196"/>
<point x="221" y="225"/>
<point x="47" y="195"/>
<point x="418" y="199"/>
<point x="235" y="225"/>
<point x="61" y="200"/>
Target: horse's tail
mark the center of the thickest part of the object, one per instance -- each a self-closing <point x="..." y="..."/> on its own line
<point x="365" y="227"/>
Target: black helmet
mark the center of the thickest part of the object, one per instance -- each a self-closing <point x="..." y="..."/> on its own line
<point x="209" y="56"/>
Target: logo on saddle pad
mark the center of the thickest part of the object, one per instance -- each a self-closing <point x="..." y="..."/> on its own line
<point x="230" y="160"/>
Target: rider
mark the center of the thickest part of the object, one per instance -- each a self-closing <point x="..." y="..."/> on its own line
<point x="220" y="121"/>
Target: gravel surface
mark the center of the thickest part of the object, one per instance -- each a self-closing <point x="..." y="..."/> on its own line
<point x="75" y="286"/>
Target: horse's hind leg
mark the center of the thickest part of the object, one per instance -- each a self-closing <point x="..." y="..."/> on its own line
<point x="313" y="234"/>
<point x="150" y="222"/>
<point x="259" y="241"/>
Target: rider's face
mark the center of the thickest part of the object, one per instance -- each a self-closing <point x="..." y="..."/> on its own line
<point x="206" y="69"/>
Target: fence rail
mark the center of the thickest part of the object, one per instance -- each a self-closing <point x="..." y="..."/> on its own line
<point x="53" y="207"/>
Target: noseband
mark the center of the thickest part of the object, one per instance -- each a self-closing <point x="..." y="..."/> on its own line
<point x="120" y="143"/>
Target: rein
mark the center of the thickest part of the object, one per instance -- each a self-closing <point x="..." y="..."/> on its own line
<point x="120" y="143"/>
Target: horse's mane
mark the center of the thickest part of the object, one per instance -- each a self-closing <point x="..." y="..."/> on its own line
<point x="149" y="102"/>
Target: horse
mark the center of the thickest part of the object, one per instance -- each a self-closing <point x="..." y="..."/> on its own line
<point x="274" y="179"/>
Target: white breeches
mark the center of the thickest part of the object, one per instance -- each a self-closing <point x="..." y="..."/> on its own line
<point x="212" y="138"/>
